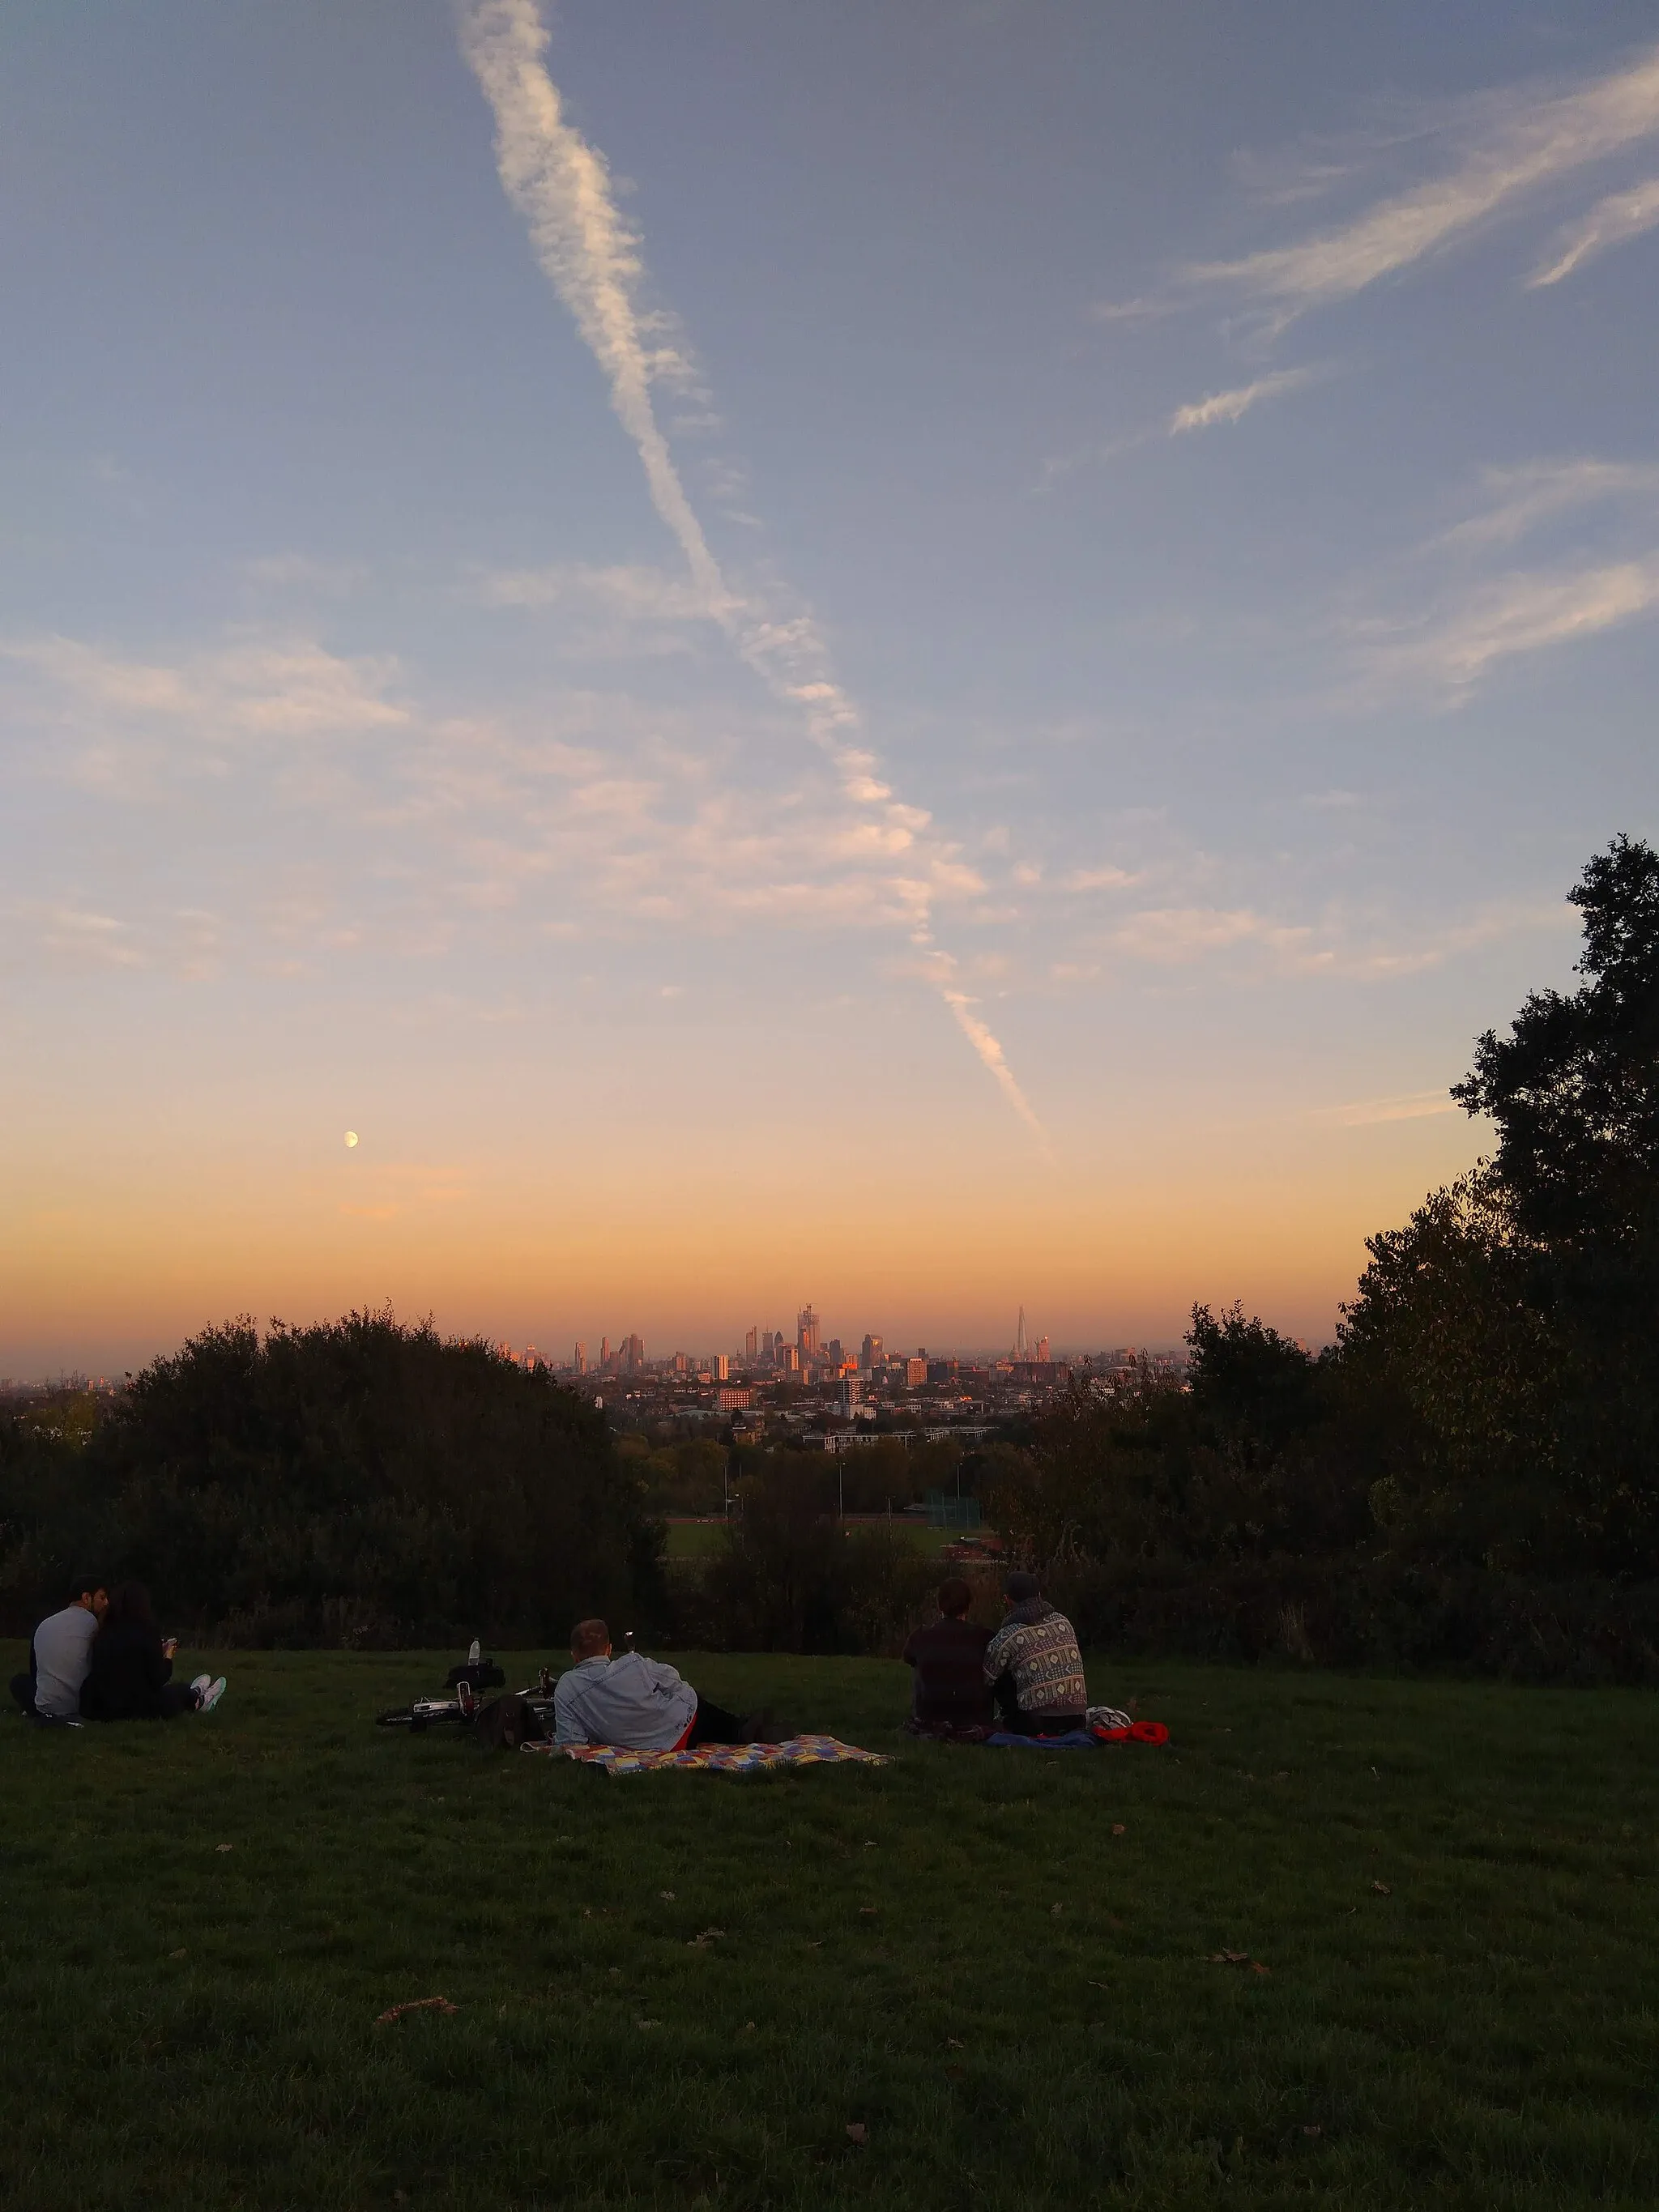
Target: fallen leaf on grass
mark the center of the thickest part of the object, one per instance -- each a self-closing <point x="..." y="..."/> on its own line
<point x="702" y="1942"/>
<point x="868" y="1912"/>
<point x="224" y="1847"/>
<point x="1382" y="1889"/>
<point x="1118" y="1828"/>
<point x="1056" y="1910"/>
<point x="749" y="2027"/>
<point x="1256" y="1967"/>
<point x="1238" y="1959"/>
<point x="1312" y="2131"/>
<point x="857" y="2132"/>
<point x="648" y="2023"/>
<point x="955" y="2043"/>
<point x="177" y="1955"/>
<point x="817" y="1945"/>
<point x="666" y="1895"/>
<point x="415" y="2004"/>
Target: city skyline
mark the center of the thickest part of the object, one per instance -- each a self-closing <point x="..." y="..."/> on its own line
<point x="651" y="657"/>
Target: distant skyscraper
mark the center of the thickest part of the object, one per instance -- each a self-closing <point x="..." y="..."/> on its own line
<point x="1022" y="1350"/>
<point x="604" y="1355"/>
<point x="630" y="1355"/>
<point x="580" y="1361"/>
<point x="871" y="1354"/>
<point x="806" y="1325"/>
<point x="1042" y="1349"/>
<point x="720" y="1366"/>
<point x="751" y="1343"/>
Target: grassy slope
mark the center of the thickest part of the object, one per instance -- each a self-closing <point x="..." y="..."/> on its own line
<point x="703" y="1539"/>
<point x="187" y="2027"/>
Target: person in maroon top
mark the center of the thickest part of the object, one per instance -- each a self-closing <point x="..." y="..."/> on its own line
<point x="949" y="1659"/>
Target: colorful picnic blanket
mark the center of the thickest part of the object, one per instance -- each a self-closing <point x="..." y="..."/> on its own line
<point x="719" y="1757"/>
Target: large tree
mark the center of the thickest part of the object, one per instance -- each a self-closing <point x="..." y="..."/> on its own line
<point x="1519" y="1312"/>
<point x="366" y="1480"/>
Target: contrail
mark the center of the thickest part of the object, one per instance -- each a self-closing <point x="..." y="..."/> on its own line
<point x="562" y="187"/>
<point x="992" y="1053"/>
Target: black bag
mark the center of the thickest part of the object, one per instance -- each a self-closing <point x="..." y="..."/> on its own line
<point x="479" y="1673"/>
<point x="505" y="1723"/>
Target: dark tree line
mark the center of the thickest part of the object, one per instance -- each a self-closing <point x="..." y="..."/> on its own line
<point x="358" y="1482"/>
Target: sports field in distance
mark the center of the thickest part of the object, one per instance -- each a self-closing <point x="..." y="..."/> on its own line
<point x="969" y="1979"/>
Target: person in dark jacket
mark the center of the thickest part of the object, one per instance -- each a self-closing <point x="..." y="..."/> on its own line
<point x="948" y="1656"/>
<point x="130" y="1677"/>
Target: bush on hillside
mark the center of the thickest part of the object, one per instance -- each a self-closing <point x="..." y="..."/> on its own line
<point x="359" y="1481"/>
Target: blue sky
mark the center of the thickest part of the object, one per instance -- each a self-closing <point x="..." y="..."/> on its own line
<point x="750" y="635"/>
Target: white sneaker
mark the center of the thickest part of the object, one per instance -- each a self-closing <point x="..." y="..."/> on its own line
<point x="201" y="1682"/>
<point x="211" y="1695"/>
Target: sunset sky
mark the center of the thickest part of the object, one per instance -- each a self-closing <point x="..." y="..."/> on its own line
<point x="927" y="658"/>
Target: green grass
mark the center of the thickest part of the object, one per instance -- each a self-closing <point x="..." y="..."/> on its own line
<point x="955" y="1954"/>
<point x="702" y="1539"/>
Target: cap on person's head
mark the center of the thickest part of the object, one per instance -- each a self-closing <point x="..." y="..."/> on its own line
<point x="587" y="1638"/>
<point x="954" y="1597"/>
<point x="1019" y="1588"/>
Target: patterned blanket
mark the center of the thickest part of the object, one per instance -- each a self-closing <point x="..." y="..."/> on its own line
<point x="718" y="1757"/>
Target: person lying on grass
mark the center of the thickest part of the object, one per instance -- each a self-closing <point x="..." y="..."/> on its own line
<point x="1033" y="1666"/>
<point x="60" y="1654"/>
<point x="948" y="1655"/>
<point x="635" y="1702"/>
<point x="130" y="1677"/>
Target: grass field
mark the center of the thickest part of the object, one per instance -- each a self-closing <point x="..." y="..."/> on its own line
<point x="702" y="1539"/>
<point x="969" y="1979"/>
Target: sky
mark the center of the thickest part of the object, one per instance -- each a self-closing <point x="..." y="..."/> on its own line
<point x="930" y="659"/>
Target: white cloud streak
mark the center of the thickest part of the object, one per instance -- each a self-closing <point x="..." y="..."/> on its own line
<point x="1516" y="145"/>
<point x="1231" y="406"/>
<point x="1522" y="498"/>
<point x="1515" y="614"/>
<point x="1612" y="222"/>
<point x="281" y="688"/>
<point x="560" y="185"/>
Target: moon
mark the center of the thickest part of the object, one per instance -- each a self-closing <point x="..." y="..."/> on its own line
<point x="351" y="1139"/>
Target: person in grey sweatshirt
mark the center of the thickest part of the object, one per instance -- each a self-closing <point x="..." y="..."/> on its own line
<point x="637" y="1702"/>
<point x="61" y="1654"/>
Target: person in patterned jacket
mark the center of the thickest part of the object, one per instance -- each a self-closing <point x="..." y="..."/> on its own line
<point x="1033" y="1666"/>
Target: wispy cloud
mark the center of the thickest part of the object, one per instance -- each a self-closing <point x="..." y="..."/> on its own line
<point x="1613" y="222"/>
<point x="1519" y="499"/>
<point x="1229" y="406"/>
<point x="1502" y="150"/>
<point x="1513" y="615"/>
<point x="1368" y="1113"/>
<point x="283" y="687"/>
<point x="634" y="591"/>
<point x="560" y="185"/>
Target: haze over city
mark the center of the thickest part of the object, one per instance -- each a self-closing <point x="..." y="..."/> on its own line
<point x="663" y="664"/>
